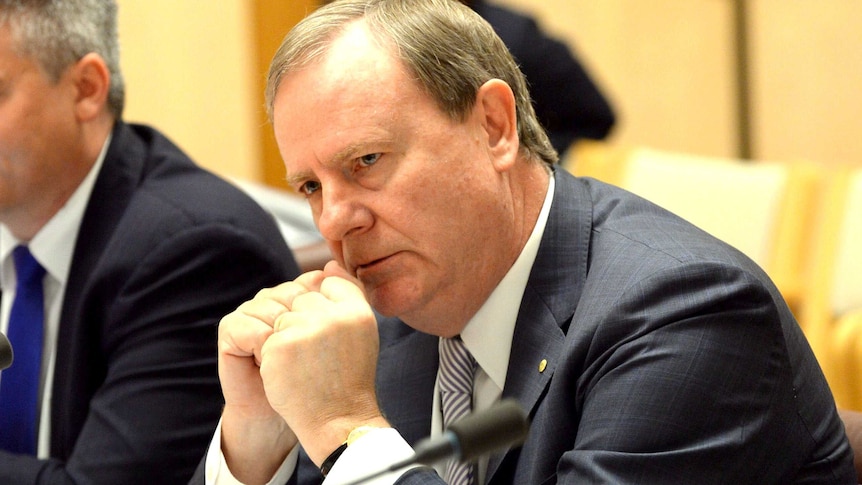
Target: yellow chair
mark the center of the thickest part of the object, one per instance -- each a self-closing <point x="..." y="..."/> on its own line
<point x="597" y="159"/>
<point x="761" y="208"/>
<point x="831" y="311"/>
<point x="847" y="349"/>
<point x="853" y="425"/>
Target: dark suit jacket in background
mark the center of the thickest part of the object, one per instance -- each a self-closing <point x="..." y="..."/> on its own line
<point x="568" y="103"/>
<point x="164" y="251"/>
<point x="672" y="359"/>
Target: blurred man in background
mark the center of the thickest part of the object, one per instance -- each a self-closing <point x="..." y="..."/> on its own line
<point x="118" y="256"/>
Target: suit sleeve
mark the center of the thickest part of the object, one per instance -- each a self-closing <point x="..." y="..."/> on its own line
<point x="155" y="330"/>
<point x="689" y="381"/>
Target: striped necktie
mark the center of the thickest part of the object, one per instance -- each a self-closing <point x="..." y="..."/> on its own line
<point x="455" y="380"/>
<point x="19" y="384"/>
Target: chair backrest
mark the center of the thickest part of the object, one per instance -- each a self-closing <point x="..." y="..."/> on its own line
<point x="847" y="278"/>
<point x="853" y="427"/>
<point x="832" y="314"/>
<point x="736" y="202"/>
<point x="835" y="263"/>
<point x="761" y="208"/>
<point x="598" y="159"/>
<point x="845" y="369"/>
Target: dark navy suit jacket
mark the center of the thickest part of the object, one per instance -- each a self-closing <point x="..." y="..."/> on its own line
<point x="672" y="359"/>
<point x="164" y="251"/>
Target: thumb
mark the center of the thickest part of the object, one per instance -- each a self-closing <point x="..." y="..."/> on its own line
<point x="333" y="269"/>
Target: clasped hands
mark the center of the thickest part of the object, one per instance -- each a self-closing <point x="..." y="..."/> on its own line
<point x="297" y="363"/>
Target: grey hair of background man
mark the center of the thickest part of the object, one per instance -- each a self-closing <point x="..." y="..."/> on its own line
<point x="450" y="49"/>
<point x="58" y="33"/>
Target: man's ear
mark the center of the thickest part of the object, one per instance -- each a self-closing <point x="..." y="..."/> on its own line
<point x="496" y="103"/>
<point x="92" y="81"/>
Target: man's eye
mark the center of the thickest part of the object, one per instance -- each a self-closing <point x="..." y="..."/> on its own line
<point x="370" y="159"/>
<point x="309" y="188"/>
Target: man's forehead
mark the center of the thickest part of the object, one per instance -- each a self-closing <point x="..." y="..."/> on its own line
<point x="355" y="68"/>
<point x="354" y="90"/>
<point x="355" y="52"/>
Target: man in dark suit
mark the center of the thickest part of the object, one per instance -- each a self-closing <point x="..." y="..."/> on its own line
<point x="643" y="349"/>
<point x="143" y="253"/>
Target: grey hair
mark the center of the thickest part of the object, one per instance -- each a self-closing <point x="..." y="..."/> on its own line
<point x="449" y="48"/>
<point x="58" y="33"/>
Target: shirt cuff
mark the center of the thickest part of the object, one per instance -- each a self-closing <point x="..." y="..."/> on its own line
<point x="218" y="473"/>
<point x="374" y="451"/>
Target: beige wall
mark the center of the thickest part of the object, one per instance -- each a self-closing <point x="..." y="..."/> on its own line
<point x="807" y="73"/>
<point x="668" y="67"/>
<point x="189" y="69"/>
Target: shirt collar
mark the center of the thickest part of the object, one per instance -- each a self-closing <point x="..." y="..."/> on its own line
<point x="488" y="335"/>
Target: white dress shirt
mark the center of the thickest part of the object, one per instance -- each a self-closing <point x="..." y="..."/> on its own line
<point x="53" y="247"/>
<point x="488" y="337"/>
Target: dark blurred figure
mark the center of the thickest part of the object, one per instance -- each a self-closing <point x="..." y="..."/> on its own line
<point x="118" y="257"/>
<point x="567" y="101"/>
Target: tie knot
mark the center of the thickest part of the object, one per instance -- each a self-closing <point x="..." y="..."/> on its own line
<point x="28" y="270"/>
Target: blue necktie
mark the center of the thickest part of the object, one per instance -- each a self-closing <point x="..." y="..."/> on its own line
<point x="455" y="381"/>
<point x="19" y="384"/>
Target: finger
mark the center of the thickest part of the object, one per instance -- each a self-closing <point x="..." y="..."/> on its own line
<point x="340" y="289"/>
<point x="263" y="307"/>
<point x="299" y="324"/>
<point x="312" y="301"/>
<point x="310" y="280"/>
<point x="285" y="293"/>
<point x="308" y="308"/>
<point x="333" y="268"/>
<point x="241" y="335"/>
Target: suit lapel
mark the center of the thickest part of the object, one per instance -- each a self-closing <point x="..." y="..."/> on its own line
<point x="114" y="187"/>
<point x="77" y="342"/>
<point x="550" y="298"/>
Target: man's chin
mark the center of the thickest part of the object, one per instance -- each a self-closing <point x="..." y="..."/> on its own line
<point x="388" y="300"/>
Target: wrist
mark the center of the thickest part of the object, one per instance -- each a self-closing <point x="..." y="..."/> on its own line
<point x="254" y="447"/>
<point x="354" y="435"/>
<point x="320" y="440"/>
<point x="359" y="432"/>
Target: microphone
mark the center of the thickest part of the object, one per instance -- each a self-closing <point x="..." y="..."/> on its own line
<point x="502" y="425"/>
<point x="5" y="352"/>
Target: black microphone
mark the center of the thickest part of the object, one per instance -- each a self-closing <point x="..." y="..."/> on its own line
<point x="5" y="352"/>
<point x="502" y="425"/>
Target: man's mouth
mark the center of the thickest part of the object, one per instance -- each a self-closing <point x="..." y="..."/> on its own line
<point x="370" y="265"/>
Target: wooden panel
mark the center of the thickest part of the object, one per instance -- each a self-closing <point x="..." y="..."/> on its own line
<point x="273" y="19"/>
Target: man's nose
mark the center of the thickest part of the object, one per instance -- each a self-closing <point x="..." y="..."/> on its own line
<point x="341" y="213"/>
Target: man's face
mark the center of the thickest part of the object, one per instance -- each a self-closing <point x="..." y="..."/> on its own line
<point x="409" y="200"/>
<point x="36" y="119"/>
